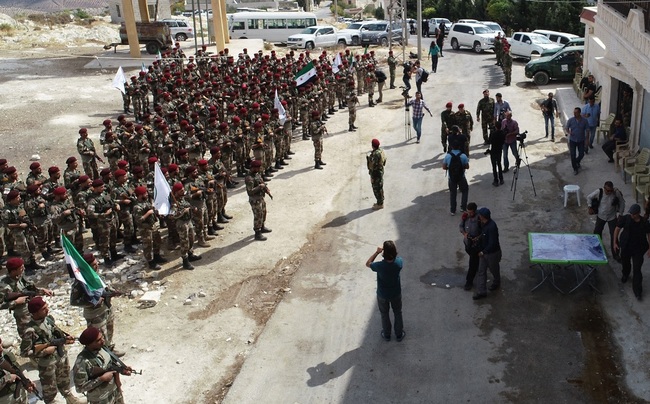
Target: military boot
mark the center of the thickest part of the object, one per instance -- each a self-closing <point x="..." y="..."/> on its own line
<point x="283" y="163"/>
<point x="216" y="226"/>
<point x="351" y="129"/>
<point x="72" y="399"/>
<point x="211" y="230"/>
<point x="265" y="229"/>
<point x="223" y="213"/>
<point x="287" y="156"/>
<point x="154" y="265"/>
<point x="159" y="259"/>
<point x="115" y="256"/>
<point x="193" y="257"/>
<point x="34" y="266"/>
<point x="259" y="236"/>
<point x="203" y="244"/>
<point x="354" y="127"/>
<point x="317" y="165"/>
<point x="268" y="173"/>
<point x="321" y="163"/>
<point x="128" y="248"/>
<point x="278" y="166"/>
<point x="187" y="264"/>
<point x="108" y="261"/>
<point x="46" y="256"/>
<point x="290" y="153"/>
<point x="221" y="218"/>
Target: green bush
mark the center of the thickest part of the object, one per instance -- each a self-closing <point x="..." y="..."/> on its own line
<point x="6" y="28"/>
<point x="81" y="14"/>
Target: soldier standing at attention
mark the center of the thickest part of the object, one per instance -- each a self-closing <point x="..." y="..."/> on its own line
<point x="392" y="66"/>
<point x="507" y="65"/>
<point x="16" y="221"/>
<point x="376" y="161"/>
<point x="43" y="342"/>
<point x="485" y="108"/>
<point x="448" y="119"/>
<point x="101" y="208"/>
<point x="352" y="102"/>
<point x="145" y="216"/>
<point x="257" y="190"/>
<point x="498" y="49"/>
<point x="317" y="130"/>
<point x="183" y="212"/>
<point x="86" y="149"/>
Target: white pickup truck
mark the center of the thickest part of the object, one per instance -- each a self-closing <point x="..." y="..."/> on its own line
<point x="318" y="36"/>
<point x="526" y="44"/>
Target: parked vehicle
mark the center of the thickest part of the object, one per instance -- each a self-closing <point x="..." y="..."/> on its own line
<point x="179" y="29"/>
<point x="435" y="22"/>
<point x="555" y="36"/>
<point x="475" y="36"/>
<point x="378" y="33"/>
<point x="574" y="42"/>
<point x="494" y="27"/>
<point x="154" y="35"/>
<point x="527" y="44"/>
<point x="269" y="26"/>
<point x="468" y="21"/>
<point x="561" y="66"/>
<point x="317" y="36"/>
<point x="354" y="31"/>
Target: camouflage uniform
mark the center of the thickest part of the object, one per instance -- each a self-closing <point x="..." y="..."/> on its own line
<point x="392" y="65"/>
<point x="16" y="215"/>
<point x="36" y="208"/>
<point x="465" y="122"/>
<point x="70" y="224"/>
<point x="98" y="313"/>
<point x="448" y="119"/>
<point x="21" y="315"/>
<point x="485" y="111"/>
<point x="10" y="392"/>
<point x="86" y="149"/>
<point x="123" y="195"/>
<point x="149" y="229"/>
<point x="184" y="225"/>
<point x="195" y="191"/>
<point x="98" y="206"/>
<point x="317" y="131"/>
<point x="255" y="188"/>
<point x="507" y="66"/>
<point x="86" y="381"/>
<point x="376" y="161"/>
<point x="53" y="370"/>
<point x="352" y="101"/>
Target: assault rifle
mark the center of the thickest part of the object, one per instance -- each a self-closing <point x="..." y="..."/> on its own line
<point x="116" y="365"/>
<point x="15" y="295"/>
<point x="110" y="294"/>
<point x="24" y="381"/>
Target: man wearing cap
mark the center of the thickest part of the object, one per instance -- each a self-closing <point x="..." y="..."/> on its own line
<point x="122" y="194"/>
<point x="631" y="242"/>
<point x="39" y="218"/>
<point x="376" y="160"/>
<point x="86" y="149"/>
<point x="489" y="255"/>
<point x="71" y="174"/>
<point x="18" y="225"/>
<point x="183" y="213"/>
<point x="43" y="342"/>
<point x="15" y="290"/>
<point x="257" y="190"/>
<point x="67" y="217"/>
<point x="113" y="151"/>
<point x="465" y="122"/>
<point x="485" y="109"/>
<point x="102" y="208"/>
<point x="35" y="174"/>
<point x="146" y="218"/>
<point x="317" y="129"/>
<point x="92" y="371"/>
<point x="52" y="183"/>
<point x="448" y="119"/>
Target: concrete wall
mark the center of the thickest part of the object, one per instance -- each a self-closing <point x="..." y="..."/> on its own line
<point x="117" y="13"/>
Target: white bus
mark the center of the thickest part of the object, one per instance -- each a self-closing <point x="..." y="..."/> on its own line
<point x="269" y="26"/>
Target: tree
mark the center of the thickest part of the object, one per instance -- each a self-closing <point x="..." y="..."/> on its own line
<point x="379" y="13"/>
<point x="429" y="12"/>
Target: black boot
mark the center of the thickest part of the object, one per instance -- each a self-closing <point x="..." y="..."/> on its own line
<point x="193" y="257"/>
<point x="354" y="127"/>
<point x="128" y="248"/>
<point x="216" y="226"/>
<point x="34" y="266"/>
<point x="211" y="230"/>
<point x="223" y="213"/>
<point x="321" y="163"/>
<point x="265" y="229"/>
<point x="159" y="259"/>
<point x="287" y="156"/>
<point x="290" y="153"/>
<point x="230" y="185"/>
<point x="187" y="264"/>
<point x="305" y="137"/>
<point x="278" y="166"/>
<point x="108" y="261"/>
<point x="259" y="236"/>
<point x="268" y="172"/>
<point x="115" y="256"/>
<point x="135" y="240"/>
<point x="283" y="163"/>
<point x="12" y="253"/>
<point x="351" y="128"/>
<point x="317" y="165"/>
<point x="154" y="265"/>
<point x="265" y="178"/>
<point x="221" y="218"/>
<point x="46" y="256"/>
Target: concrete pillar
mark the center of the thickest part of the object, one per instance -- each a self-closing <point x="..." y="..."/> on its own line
<point x="131" y="30"/>
<point x="144" y="11"/>
<point x="224" y="24"/>
<point x="217" y="20"/>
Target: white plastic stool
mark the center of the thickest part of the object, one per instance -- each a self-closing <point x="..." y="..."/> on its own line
<point x="571" y="189"/>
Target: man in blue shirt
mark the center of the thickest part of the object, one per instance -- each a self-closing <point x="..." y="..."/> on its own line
<point x="591" y="112"/>
<point x="576" y="130"/>
<point x="456" y="177"/>
<point x="389" y="288"/>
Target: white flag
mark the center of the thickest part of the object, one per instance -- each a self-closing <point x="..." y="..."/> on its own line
<point x="336" y="63"/>
<point x="161" y="191"/>
<point x="144" y="68"/>
<point x="278" y="105"/>
<point x="119" y="80"/>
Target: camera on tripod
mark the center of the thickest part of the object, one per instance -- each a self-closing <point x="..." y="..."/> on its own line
<point x="522" y="136"/>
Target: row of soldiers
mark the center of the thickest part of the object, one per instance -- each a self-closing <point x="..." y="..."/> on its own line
<point x="504" y="59"/>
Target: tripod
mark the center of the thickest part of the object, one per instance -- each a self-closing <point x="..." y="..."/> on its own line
<point x="407" y="119"/>
<point x="515" y="177"/>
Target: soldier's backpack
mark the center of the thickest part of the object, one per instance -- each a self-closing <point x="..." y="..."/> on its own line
<point x="424" y="76"/>
<point x="455" y="168"/>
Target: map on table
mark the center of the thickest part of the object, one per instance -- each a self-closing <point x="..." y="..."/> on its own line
<point x="566" y="248"/>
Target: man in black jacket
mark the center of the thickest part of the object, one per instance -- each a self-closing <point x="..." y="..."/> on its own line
<point x="489" y="256"/>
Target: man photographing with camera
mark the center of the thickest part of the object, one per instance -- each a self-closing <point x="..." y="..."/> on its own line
<point x="511" y="129"/>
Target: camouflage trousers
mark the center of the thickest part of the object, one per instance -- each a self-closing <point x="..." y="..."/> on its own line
<point x="352" y="117"/>
<point x="443" y="138"/>
<point x="42" y="236"/>
<point x="125" y="218"/>
<point x="106" y="236"/>
<point x="318" y="147"/>
<point x="258" y="206"/>
<point x="55" y="377"/>
<point x="7" y="394"/>
<point x="371" y="92"/>
<point x="115" y="397"/>
<point x="2" y="241"/>
<point x="198" y="221"/>
<point x="104" y="323"/>
<point x="126" y="102"/>
<point x="221" y="197"/>
<point x="377" y="182"/>
<point x="279" y="148"/>
<point x="172" y="232"/>
<point x="23" y="246"/>
<point x="75" y="236"/>
<point x="90" y="168"/>
<point x="22" y="317"/>
<point x="211" y="207"/>
<point x="269" y="148"/>
<point x="305" y="126"/>
<point x="151" y="240"/>
<point x="226" y="159"/>
<point x="186" y="235"/>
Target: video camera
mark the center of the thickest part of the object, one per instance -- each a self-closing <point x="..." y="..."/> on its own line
<point x="522" y="136"/>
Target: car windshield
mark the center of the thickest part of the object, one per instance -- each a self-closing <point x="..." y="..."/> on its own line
<point x="309" y="30"/>
<point x="482" y="30"/>
<point x="494" y="27"/>
<point x="354" y="26"/>
<point x="377" y="27"/>
<point x="541" y="39"/>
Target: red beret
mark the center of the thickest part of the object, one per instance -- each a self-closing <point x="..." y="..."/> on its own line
<point x="181" y="152"/>
<point x="60" y="191"/>
<point x="461" y="105"/>
<point x="53" y="170"/>
<point x="141" y="190"/>
<point x="89" y="336"/>
<point x="119" y="173"/>
<point x="107" y="122"/>
<point x="89" y="258"/>
<point x="236" y="119"/>
<point x="122" y="163"/>
<point x="71" y="160"/>
<point x="223" y="125"/>
<point x="35" y="304"/>
<point x="13" y="194"/>
<point x="98" y="183"/>
<point x="14" y="263"/>
<point x="258" y="124"/>
<point x="189" y="170"/>
<point x="34" y="165"/>
<point x="10" y="170"/>
<point x="449" y="105"/>
<point x="215" y="149"/>
<point x="203" y="162"/>
<point x="172" y="167"/>
<point x="177" y="187"/>
<point x="31" y="189"/>
<point x="152" y="160"/>
<point x="83" y="178"/>
<point x="137" y="170"/>
<point x="256" y="163"/>
<point x="375" y="143"/>
<point x="3" y="162"/>
<point x="83" y="130"/>
<point x="105" y="172"/>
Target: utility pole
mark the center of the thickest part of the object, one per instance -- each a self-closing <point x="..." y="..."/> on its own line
<point x="419" y="29"/>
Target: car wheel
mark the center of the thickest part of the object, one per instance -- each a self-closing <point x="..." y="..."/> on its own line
<point x="477" y="47"/>
<point x="342" y="42"/>
<point x="541" y="78"/>
<point x="309" y="45"/>
<point x="356" y="40"/>
<point x="383" y="41"/>
<point x="152" y="48"/>
<point x="181" y="37"/>
<point x="454" y="44"/>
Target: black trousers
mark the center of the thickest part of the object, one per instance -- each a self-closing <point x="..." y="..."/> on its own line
<point x="633" y="262"/>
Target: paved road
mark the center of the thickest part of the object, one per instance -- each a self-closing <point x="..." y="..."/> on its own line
<point x="322" y="345"/>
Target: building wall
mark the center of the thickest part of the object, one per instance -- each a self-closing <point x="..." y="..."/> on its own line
<point x="117" y="11"/>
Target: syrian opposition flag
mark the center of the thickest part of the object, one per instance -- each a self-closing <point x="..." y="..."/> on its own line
<point x="336" y="63"/>
<point x="161" y="190"/>
<point x="119" y="80"/>
<point x="81" y="270"/>
<point x="305" y="74"/>
<point x="278" y="105"/>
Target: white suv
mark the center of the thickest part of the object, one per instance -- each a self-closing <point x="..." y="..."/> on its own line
<point x="475" y="36"/>
<point x="179" y="29"/>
